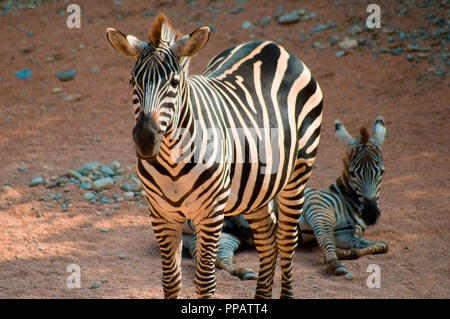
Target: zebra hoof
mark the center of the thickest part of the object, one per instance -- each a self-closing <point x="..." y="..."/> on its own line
<point x="342" y="271"/>
<point x="348" y="276"/>
<point x="249" y="276"/>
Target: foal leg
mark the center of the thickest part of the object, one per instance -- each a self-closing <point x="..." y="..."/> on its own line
<point x="355" y="247"/>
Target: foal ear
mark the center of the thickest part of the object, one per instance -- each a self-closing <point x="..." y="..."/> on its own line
<point x="379" y="131"/>
<point x="342" y="134"/>
<point x="191" y="44"/>
<point x="126" y="45"/>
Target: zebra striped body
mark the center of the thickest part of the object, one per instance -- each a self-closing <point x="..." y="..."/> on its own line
<point x="222" y="143"/>
<point x="335" y="217"/>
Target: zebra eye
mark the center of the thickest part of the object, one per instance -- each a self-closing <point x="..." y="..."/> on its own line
<point x="174" y="82"/>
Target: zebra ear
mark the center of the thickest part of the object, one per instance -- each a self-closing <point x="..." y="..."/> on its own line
<point x="191" y="44"/>
<point x="342" y="133"/>
<point x="127" y="45"/>
<point x="379" y="131"/>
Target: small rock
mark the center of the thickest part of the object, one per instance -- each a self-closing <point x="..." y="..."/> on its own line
<point x="122" y="256"/>
<point x="22" y="169"/>
<point x="73" y="98"/>
<point x="56" y="90"/>
<point x="106" y="170"/>
<point x="6" y="188"/>
<point x="397" y="51"/>
<point x="319" y="28"/>
<point x="36" y="181"/>
<point x="340" y="54"/>
<point x="105" y="230"/>
<point x="85" y="179"/>
<point x="127" y="187"/>
<point x="67" y="75"/>
<point x="128" y="195"/>
<point x="96" y="284"/>
<point x="289" y="18"/>
<point x="246" y="25"/>
<point x="23" y="74"/>
<point x="90" y="196"/>
<point x="89" y="167"/>
<point x="410" y="57"/>
<point x="265" y="21"/>
<point x="57" y="196"/>
<point x="348" y="44"/>
<point x="278" y="12"/>
<point x="106" y="200"/>
<point x="74" y="173"/>
<point x="115" y="165"/>
<point x="103" y="183"/>
<point x="85" y="185"/>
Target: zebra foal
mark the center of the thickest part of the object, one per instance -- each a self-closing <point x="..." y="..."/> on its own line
<point x="337" y="217"/>
<point x="225" y="142"/>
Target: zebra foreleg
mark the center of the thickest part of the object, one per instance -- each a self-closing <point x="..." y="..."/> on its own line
<point x="322" y="223"/>
<point x="354" y="247"/>
<point x="208" y="235"/>
<point x="169" y="237"/>
<point x="263" y="225"/>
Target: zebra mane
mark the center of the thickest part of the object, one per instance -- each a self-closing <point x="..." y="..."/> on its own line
<point x="364" y="135"/>
<point x="162" y="33"/>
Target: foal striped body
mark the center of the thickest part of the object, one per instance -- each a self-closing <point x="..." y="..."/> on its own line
<point x="223" y="143"/>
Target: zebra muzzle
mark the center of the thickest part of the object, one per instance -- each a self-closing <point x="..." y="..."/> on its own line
<point x="370" y="211"/>
<point x="147" y="136"/>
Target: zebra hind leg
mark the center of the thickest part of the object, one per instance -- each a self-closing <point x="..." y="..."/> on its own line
<point x="227" y="246"/>
<point x="263" y="225"/>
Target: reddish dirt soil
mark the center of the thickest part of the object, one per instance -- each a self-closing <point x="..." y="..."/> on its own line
<point x="48" y="135"/>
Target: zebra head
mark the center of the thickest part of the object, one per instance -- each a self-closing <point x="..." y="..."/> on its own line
<point x="364" y="166"/>
<point x="158" y="79"/>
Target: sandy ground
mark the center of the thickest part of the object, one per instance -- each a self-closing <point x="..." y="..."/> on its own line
<point x="45" y="135"/>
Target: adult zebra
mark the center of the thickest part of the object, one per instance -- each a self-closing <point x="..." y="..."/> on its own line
<point x="224" y="142"/>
